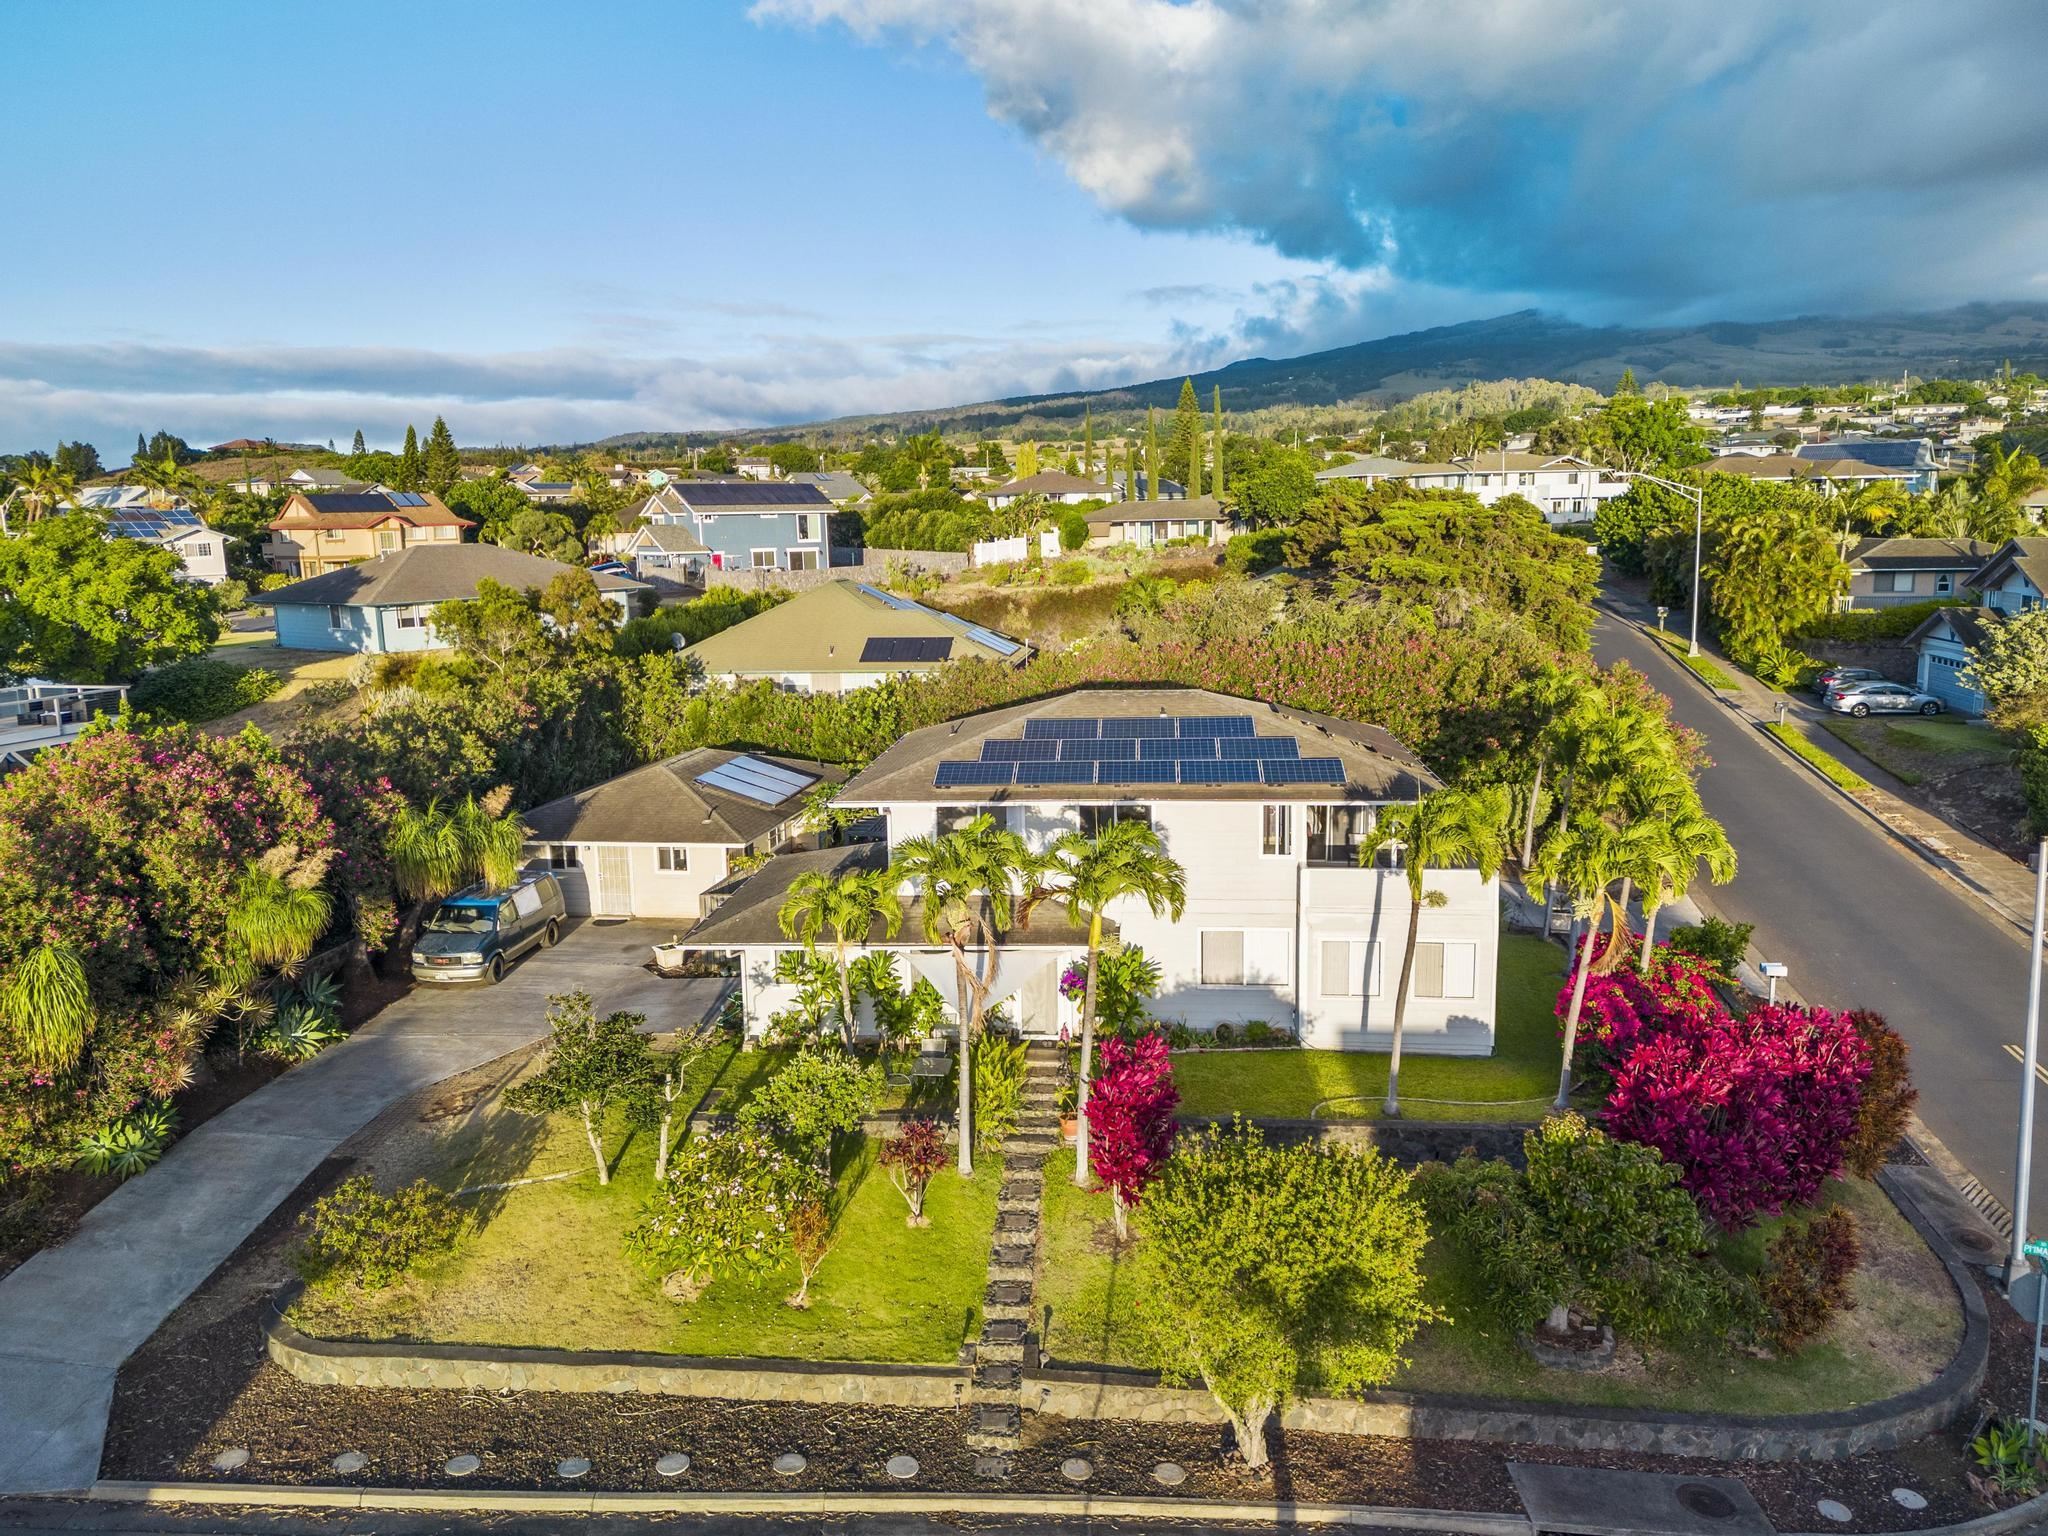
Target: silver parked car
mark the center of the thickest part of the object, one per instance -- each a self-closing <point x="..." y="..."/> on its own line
<point x="1883" y="698"/>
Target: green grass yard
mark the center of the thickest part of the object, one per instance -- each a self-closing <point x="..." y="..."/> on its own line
<point x="1903" y="1331"/>
<point x="1715" y="676"/>
<point x="1832" y="768"/>
<point x="1515" y="1083"/>
<point x="544" y="1265"/>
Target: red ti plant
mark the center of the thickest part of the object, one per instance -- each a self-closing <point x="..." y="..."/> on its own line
<point x="1130" y="1119"/>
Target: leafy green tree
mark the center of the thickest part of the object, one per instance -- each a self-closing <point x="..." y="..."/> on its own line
<point x="793" y="458"/>
<point x="488" y="502"/>
<point x="1125" y="861"/>
<point x="1273" y="493"/>
<point x="442" y="466"/>
<point x="1626" y="526"/>
<point x="848" y="905"/>
<point x="83" y="608"/>
<point x="1027" y="460"/>
<point x="81" y="461"/>
<point x="2010" y="668"/>
<point x="1772" y="566"/>
<point x="726" y="1207"/>
<point x="591" y="1064"/>
<point x="1448" y="829"/>
<point x="536" y="532"/>
<point x="1639" y="434"/>
<point x="969" y="881"/>
<point x="1265" y="1271"/>
<point x="817" y="1098"/>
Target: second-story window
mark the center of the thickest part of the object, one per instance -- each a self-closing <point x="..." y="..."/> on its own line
<point x="1094" y="818"/>
<point x="1276" y="836"/>
<point x="953" y="817"/>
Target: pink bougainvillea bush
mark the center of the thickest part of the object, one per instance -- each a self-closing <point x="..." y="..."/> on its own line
<point x="1758" y="1111"/>
<point x="1130" y="1117"/>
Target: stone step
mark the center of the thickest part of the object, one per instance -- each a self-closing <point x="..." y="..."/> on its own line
<point x="1010" y="1314"/>
<point x="1006" y="1201"/>
<point x="1017" y="1223"/>
<point x="1031" y="1139"/>
<point x="1011" y="1255"/>
<point x="1009" y="1332"/>
<point x="1008" y="1293"/>
<point x="999" y="1378"/>
<point x="995" y="1418"/>
<point x="999" y="1354"/>
<point x="1018" y="1268"/>
<point x="994" y="1448"/>
<point x="993" y="1468"/>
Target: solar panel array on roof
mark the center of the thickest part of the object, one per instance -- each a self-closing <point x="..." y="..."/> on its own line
<point x="143" y="523"/>
<point x="1145" y="749"/>
<point x="407" y="499"/>
<point x="888" y="648"/>
<point x="752" y="778"/>
<point x="1891" y="453"/>
<point x="1002" y="645"/>
<point x="900" y="604"/>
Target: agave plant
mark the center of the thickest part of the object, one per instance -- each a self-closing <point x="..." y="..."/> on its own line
<point x="46" y="1004"/>
<point x="128" y="1146"/>
<point x="297" y="1033"/>
<point x="321" y="994"/>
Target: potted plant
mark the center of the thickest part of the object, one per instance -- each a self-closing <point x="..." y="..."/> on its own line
<point x="1066" y="1101"/>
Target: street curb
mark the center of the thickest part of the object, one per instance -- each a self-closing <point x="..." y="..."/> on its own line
<point x="821" y="1505"/>
<point x="1942" y="867"/>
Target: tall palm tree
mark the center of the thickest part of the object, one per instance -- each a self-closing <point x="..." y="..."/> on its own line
<point x="47" y="1006"/>
<point x="970" y="881"/>
<point x="1563" y="702"/>
<point x="2005" y="477"/>
<point x="164" y="479"/>
<point x="1586" y="856"/>
<point x="436" y="851"/>
<point x="1667" y="848"/>
<point x="43" y="487"/>
<point x="849" y="905"/>
<point x="1462" y="828"/>
<point x="1125" y="860"/>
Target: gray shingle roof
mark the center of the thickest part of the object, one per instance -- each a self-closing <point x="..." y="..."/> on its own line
<point x="664" y="803"/>
<point x="426" y="573"/>
<point x="1920" y="554"/>
<point x="1187" y="509"/>
<point x="1969" y="625"/>
<point x="750" y="496"/>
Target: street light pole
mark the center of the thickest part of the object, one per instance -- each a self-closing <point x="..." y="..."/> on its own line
<point x="2023" y="1178"/>
<point x="1699" y="528"/>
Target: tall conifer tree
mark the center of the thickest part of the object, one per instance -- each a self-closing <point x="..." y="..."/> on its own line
<point x="1152" y="454"/>
<point x="1218" y="487"/>
<point x="443" y="463"/>
<point x="359" y="441"/>
<point x="411" y="471"/>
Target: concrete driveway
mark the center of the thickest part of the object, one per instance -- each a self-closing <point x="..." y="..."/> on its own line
<point x="72" y="1314"/>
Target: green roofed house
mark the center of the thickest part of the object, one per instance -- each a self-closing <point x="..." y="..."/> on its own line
<point x="844" y="635"/>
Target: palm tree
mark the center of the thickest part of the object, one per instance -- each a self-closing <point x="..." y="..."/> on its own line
<point x="847" y="904"/>
<point x="1452" y="828"/>
<point x="1669" y="842"/>
<point x="1562" y="701"/>
<point x="2005" y="477"/>
<point x="435" y="852"/>
<point x="1586" y="856"/>
<point x="47" y="1006"/>
<point x="968" y="880"/>
<point x="1126" y="859"/>
<point x="164" y="479"/>
<point x="45" y="486"/>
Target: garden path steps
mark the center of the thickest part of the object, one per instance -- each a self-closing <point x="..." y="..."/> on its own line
<point x="1008" y="1340"/>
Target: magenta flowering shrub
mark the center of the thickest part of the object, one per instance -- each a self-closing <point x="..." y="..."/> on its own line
<point x="1757" y="1112"/>
<point x="1130" y="1117"/>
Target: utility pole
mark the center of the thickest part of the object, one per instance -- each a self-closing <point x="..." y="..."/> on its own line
<point x="2023" y="1177"/>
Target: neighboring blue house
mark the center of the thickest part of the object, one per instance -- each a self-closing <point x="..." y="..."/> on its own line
<point x="2015" y="579"/>
<point x="758" y="525"/>
<point x="1947" y="643"/>
<point x="386" y="604"/>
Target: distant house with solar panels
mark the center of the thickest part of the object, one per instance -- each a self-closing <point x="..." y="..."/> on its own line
<point x="745" y="525"/>
<point x="131" y="514"/>
<point x="314" y="534"/>
<point x="1853" y="459"/>
<point x="845" y="635"/>
<point x="1264" y="807"/>
<point x="650" y="843"/>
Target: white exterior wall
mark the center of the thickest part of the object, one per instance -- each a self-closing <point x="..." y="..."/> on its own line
<point x="2014" y="594"/>
<point x="648" y="890"/>
<point x="1293" y="906"/>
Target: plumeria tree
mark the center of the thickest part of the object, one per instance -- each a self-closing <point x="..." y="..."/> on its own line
<point x="1125" y="861"/>
<point x="591" y="1064"/>
<point x="726" y="1208"/>
<point x="1132" y="1115"/>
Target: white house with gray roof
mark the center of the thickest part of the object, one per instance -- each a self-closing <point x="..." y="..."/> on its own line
<point x="650" y="843"/>
<point x="1262" y="806"/>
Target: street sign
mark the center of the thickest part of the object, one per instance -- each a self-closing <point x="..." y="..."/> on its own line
<point x="2037" y="1249"/>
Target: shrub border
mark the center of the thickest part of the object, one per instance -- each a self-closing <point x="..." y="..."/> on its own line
<point x="1105" y="1393"/>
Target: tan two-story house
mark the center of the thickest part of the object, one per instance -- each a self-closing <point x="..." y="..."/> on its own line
<point x="315" y="534"/>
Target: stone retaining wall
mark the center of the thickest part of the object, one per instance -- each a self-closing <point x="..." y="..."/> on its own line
<point x="874" y="565"/>
<point x="1407" y="1142"/>
<point x="1118" y="1394"/>
<point x="458" y="1367"/>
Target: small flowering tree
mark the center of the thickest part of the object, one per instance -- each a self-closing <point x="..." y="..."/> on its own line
<point x="1130" y="1114"/>
<point x="726" y="1207"/>
<point x="912" y="1156"/>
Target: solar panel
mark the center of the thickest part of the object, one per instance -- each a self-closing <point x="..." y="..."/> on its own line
<point x="907" y="648"/>
<point x="1138" y="726"/>
<point x="1020" y="751"/>
<point x="1257" y="747"/>
<point x="1061" y="730"/>
<point x="1305" y="770"/>
<point x="1138" y="773"/>
<point x="752" y="778"/>
<point x="1222" y="771"/>
<point x="1056" y="773"/>
<point x="1075" y="751"/>
<point x="1216" y="725"/>
<point x="954" y="775"/>
<point x="900" y="604"/>
<point x="1195" y="746"/>
<point x="1002" y="645"/>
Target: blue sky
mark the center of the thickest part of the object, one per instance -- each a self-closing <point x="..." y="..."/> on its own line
<point x="556" y="221"/>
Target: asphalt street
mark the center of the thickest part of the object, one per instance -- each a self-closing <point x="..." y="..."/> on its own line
<point x="1863" y="923"/>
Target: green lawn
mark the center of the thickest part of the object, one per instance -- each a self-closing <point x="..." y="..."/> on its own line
<point x="1715" y="676"/>
<point x="1836" y="771"/>
<point x="1938" y="735"/>
<point x="1902" y="1333"/>
<point x="544" y="1266"/>
<point x="1289" y="1084"/>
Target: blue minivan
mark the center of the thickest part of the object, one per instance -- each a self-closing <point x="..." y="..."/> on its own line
<point x="476" y="933"/>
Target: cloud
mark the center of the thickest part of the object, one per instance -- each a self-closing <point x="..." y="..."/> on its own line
<point x="1615" y="158"/>
<point x="106" y="394"/>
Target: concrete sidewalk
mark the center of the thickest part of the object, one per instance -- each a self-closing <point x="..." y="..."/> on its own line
<point x="1995" y="879"/>
<point x="72" y="1314"/>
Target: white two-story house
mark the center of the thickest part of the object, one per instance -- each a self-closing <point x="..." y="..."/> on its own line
<point x="1262" y="806"/>
<point x="1567" y="489"/>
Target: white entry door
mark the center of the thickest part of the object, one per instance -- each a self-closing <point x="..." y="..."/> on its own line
<point x="611" y="881"/>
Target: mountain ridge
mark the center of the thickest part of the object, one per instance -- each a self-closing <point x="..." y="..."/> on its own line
<point x="1970" y="339"/>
